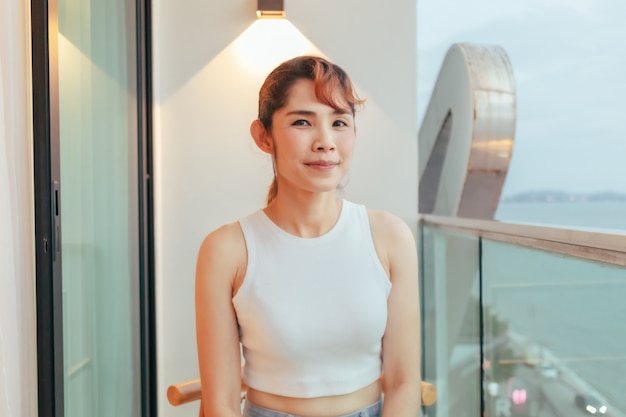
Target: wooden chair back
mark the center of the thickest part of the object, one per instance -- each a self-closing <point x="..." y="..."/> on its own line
<point x="189" y="391"/>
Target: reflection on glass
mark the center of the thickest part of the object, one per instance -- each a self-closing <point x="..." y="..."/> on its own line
<point x="554" y="334"/>
<point x="98" y="141"/>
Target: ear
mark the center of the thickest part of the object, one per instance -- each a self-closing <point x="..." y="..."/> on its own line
<point x="261" y="137"/>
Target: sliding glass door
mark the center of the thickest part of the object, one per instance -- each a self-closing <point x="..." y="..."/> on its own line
<point x="101" y="245"/>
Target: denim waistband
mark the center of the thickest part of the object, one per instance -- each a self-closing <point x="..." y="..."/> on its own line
<point x="253" y="410"/>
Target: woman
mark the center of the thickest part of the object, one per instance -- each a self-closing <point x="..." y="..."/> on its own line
<point x="321" y="293"/>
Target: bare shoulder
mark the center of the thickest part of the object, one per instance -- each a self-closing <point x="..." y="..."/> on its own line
<point x="388" y="228"/>
<point x="223" y="254"/>
<point x="394" y="243"/>
<point x="226" y="238"/>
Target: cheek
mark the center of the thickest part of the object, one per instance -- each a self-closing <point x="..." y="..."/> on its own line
<point x="286" y="152"/>
<point x="290" y="149"/>
<point x="348" y="143"/>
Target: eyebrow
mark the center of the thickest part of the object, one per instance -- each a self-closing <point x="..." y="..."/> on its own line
<point x="312" y="113"/>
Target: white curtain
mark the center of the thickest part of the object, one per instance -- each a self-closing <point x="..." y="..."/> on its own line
<point x="18" y="357"/>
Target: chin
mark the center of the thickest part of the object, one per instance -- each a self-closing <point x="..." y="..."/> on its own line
<point x="325" y="189"/>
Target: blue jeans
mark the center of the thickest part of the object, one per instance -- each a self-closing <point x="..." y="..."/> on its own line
<point x="253" y="410"/>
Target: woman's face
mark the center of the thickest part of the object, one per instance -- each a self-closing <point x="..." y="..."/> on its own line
<point x="312" y="142"/>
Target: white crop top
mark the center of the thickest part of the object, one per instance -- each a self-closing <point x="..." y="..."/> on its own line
<point x="312" y="312"/>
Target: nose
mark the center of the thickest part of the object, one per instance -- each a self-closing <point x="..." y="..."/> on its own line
<point x="324" y="140"/>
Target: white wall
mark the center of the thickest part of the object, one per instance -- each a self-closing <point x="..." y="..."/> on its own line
<point x="18" y="355"/>
<point x="207" y="169"/>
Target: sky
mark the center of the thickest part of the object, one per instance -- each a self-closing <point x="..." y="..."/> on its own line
<point x="569" y="63"/>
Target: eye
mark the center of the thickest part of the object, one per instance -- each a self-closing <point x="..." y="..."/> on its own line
<point x="301" y="122"/>
<point x="340" y="123"/>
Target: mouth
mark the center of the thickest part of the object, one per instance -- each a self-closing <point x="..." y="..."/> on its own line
<point x="322" y="164"/>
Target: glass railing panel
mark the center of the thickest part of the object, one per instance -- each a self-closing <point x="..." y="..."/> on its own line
<point x="451" y="330"/>
<point x="554" y="334"/>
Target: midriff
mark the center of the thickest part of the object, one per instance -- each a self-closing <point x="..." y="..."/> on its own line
<point x="330" y="406"/>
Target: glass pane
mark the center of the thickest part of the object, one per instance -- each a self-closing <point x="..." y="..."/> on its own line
<point x="556" y="334"/>
<point x="451" y="320"/>
<point x="98" y="158"/>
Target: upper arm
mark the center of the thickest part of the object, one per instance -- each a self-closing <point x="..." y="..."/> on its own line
<point x="221" y="262"/>
<point x="401" y="342"/>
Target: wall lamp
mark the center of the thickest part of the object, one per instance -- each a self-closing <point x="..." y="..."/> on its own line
<point x="270" y="9"/>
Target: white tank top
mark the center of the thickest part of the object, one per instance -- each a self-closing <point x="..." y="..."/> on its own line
<point x="312" y="312"/>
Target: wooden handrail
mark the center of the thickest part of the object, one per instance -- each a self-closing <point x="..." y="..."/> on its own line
<point x="192" y="391"/>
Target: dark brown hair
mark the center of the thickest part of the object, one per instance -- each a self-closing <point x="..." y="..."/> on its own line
<point x="328" y="78"/>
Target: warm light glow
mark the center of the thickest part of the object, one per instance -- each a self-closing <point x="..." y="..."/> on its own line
<point x="268" y="42"/>
<point x="264" y="14"/>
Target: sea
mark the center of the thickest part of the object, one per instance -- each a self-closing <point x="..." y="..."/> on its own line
<point x="607" y="216"/>
<point x="575" y="310"/>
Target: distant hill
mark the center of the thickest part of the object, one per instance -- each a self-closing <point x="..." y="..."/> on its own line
<point x="552" y="196"/>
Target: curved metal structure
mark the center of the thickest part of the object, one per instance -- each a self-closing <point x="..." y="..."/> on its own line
<point x="466" y="138"/>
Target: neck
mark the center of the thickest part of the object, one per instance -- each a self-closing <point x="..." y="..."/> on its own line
<point x="305" y="216"/>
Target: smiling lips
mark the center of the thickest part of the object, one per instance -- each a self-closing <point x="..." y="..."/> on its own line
<point x="322" y="164"/>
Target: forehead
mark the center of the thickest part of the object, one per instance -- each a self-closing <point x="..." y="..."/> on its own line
<point x="302" y="92"/>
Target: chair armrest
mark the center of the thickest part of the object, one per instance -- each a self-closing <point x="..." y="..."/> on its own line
<point x="429" y="394"/>
<point x="185" y="392"/>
